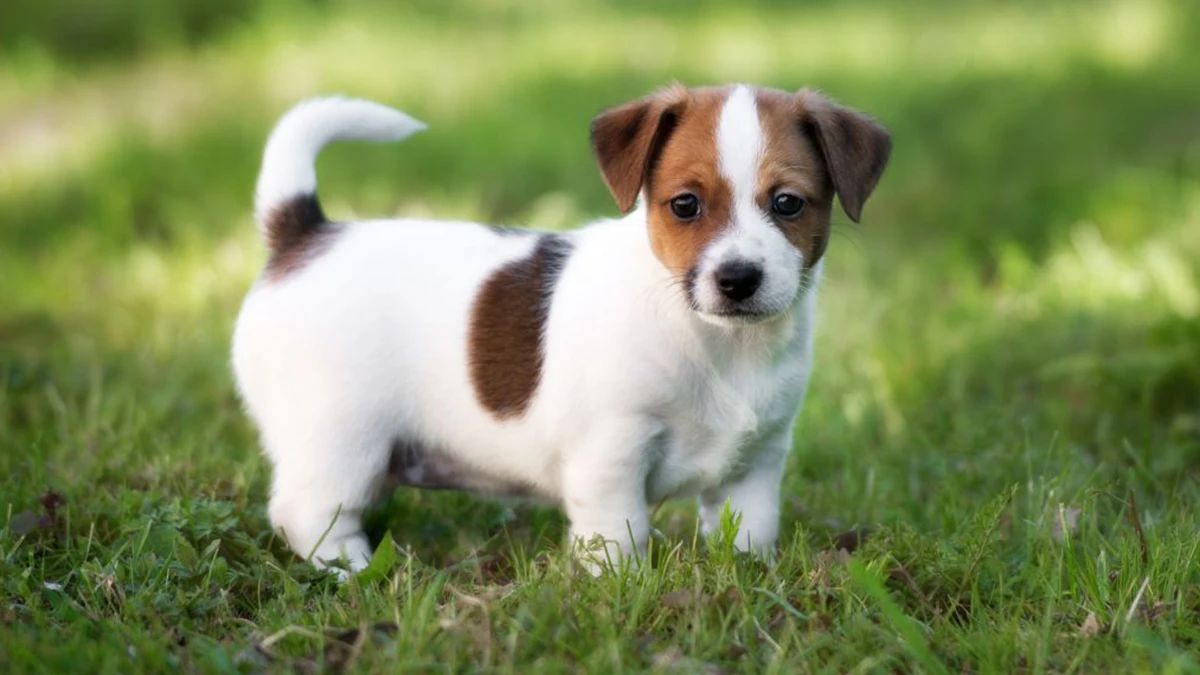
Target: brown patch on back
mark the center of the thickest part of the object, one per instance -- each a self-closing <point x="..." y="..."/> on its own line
<point x="792" y="162"/>
<point x="297" y="232"/>
<point x="507" y="322"/>
<point x="689" y="163"/>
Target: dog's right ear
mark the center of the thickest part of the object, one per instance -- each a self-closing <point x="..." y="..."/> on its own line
<point x="627" y="139"/>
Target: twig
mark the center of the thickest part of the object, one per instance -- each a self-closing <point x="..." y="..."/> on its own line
<point x="1137" y="527"/>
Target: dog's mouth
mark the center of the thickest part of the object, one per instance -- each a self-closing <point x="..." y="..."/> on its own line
<point x="728" y="312"/>
<point x="737" y="316"/>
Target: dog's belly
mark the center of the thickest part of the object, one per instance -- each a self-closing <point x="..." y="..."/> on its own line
<point x="417" y="465"/>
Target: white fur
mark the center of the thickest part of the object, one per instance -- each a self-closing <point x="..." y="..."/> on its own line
<point x="288" y="167"/>
<point x="752" y="237"/>
<point x="640" y="400"/>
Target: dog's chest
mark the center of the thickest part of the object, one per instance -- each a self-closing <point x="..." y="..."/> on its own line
<point x="717" y="425"/>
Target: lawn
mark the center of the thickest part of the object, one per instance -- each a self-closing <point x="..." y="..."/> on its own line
<point x="997" y="469"/>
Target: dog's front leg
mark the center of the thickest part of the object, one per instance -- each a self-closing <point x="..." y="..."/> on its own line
<point x="755" y="496"/>
<point x="604" y="491"/>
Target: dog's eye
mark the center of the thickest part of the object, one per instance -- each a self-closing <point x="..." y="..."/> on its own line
<point x="787" y="205"/>
<point x="685" y="206"/>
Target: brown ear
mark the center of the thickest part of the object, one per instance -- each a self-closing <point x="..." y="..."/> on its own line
<point x="627" y="139"/>
<point x="856" y="148"/>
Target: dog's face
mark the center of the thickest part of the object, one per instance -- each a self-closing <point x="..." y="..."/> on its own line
<point x="738" y="185"/>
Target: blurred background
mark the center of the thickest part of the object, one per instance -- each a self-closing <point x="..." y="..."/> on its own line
<point x="1020" y="301"/>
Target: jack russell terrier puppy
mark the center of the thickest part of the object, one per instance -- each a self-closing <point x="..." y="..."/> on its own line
<point x="659" y="355"/>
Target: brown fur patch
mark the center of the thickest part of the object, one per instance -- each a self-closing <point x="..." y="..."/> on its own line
<point x="791" y="162"/>
<point x="626" y="141"/>
<point x="297" y="232"/>
<point x="666" y="143"/>
<point x="855" y="147"/>
<point x="689" y="163"/>
<point x="507" y="321"/>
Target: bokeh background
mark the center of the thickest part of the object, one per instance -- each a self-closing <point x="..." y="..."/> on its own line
<point x="1021" y="304"/>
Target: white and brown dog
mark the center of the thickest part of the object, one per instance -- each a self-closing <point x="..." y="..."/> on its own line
<point x="659" y="355"/>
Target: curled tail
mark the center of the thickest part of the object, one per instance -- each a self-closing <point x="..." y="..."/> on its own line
<point x="285" y="205"/>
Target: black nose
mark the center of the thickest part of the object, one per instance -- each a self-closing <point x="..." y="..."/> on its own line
<point x="738" y="280"/>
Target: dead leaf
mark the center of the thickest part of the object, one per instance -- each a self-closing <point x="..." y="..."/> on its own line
<point x="1066" y="521"/>
<point x="1090" y="626"/>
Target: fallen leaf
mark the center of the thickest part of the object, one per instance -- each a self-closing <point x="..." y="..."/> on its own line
<point x="1090" y="626"/>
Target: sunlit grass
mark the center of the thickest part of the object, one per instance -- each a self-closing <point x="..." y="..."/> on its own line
<point x="52" y="120"/>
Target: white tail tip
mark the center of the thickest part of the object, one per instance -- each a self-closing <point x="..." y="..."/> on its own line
<point x="288" y="168"/>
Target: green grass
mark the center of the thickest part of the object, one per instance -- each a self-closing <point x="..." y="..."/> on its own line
<point x="1007" y="390"/>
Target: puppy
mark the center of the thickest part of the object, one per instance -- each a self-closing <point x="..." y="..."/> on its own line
<point x="662" y="354"/>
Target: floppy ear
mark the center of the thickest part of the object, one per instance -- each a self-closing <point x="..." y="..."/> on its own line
<point x="856" y="148"/>
<point x="627" y="139"/>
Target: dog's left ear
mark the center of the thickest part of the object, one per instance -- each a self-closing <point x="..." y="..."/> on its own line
<point x="856" y="148"/>
<point x="627" y="139"/>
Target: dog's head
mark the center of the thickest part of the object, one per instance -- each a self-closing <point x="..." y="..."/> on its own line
<point x="738" y="185"/>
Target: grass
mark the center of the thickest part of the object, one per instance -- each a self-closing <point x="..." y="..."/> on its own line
<point x="1007" y="393"/>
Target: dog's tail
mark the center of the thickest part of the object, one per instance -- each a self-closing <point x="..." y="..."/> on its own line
<point x="285" y="202"/>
